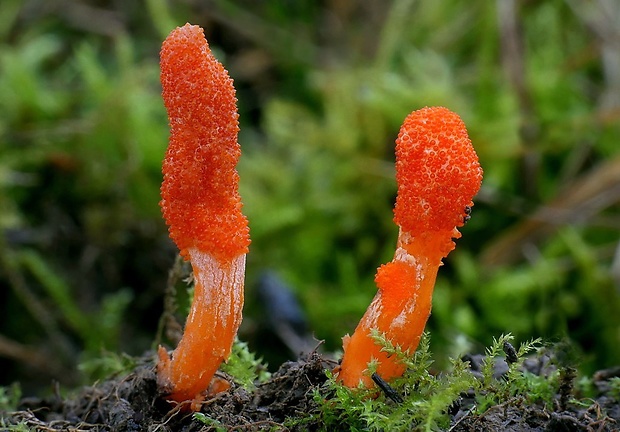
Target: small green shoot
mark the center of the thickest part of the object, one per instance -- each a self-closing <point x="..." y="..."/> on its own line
<point x="417" y="363"/>
<point x="243" y="366"/>
<point x="106" y="364"/>
<point x="19" y="427"/>
<point x="614" y="384"/>
<point x="208" y="421"/>
<point x="9" y="397"/>
<point x="516" y="382"/>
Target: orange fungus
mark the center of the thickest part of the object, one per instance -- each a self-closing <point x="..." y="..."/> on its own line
<point x="201" y="205"/>
<point x="438" y="174"/>
<point x="200" y="199"/>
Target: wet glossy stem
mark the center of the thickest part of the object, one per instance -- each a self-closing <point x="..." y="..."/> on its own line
<point x="212" y="324"/>
<point x="399" y="310"/>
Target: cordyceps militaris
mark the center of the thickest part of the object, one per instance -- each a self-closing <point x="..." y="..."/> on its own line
<point x="438" y="174"/>
<point x="202" y="207"/>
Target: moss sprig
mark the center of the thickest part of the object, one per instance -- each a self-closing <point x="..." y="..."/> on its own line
<point x="426" y="398"/>
<point x="244" y="367"/>
<point x="429" y="399"/>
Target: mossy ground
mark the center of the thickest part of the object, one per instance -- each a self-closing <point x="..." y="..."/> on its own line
<point x="301" y="396"/>
<point x="322" y="88"/>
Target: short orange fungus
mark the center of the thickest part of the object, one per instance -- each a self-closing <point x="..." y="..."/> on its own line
<point x="438" y="174"/>
<point x="201" y="205"/>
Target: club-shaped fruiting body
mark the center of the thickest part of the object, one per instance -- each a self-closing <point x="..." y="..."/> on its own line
<point x="201" y="205"/>
<point x="438" y="174"/>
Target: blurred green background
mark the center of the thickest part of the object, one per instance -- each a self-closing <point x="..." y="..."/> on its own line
<point x="323" y="88"/>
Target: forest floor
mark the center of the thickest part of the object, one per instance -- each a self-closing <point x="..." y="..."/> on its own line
<point x="132" y="403"/>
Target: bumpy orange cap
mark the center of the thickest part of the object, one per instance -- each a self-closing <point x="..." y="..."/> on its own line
<point x="437" y="171"/>
<point x="200" y="199"/>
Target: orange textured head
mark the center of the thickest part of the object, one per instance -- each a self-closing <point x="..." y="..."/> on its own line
<point x="437" y="171"/>
<point x="200" y="198"/>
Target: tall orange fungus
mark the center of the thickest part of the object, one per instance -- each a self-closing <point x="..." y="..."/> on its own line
<point x="202" y="207"/>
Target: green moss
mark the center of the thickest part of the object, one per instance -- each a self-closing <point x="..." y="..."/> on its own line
<point x="244" y="367"/>
<point x="428" y="398"/>
<point x="212" y="424"/>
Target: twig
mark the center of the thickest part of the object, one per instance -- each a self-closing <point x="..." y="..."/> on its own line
<point x="167" y="322"/>
<point x="469" y="411"/>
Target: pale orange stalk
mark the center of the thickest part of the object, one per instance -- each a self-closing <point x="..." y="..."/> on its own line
<point x="438" y="174"/>
<point x="201" y="205"/>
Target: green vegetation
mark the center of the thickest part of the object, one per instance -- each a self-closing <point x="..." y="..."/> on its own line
<point x="517" y="383"/>
<point x="20" y="427"/>
<point x="9" y="397"/>
<point x="213" y="424"/>
<point x="427" y="399"/>
<point x="106" y="364"/>
<point x="322" y="90"/>
<point x="243" y="366"/>
<point x="615" y="385"/>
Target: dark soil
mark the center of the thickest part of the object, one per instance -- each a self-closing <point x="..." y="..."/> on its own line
<point x="132" y="403"/>
<point x="599" y="414"/>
